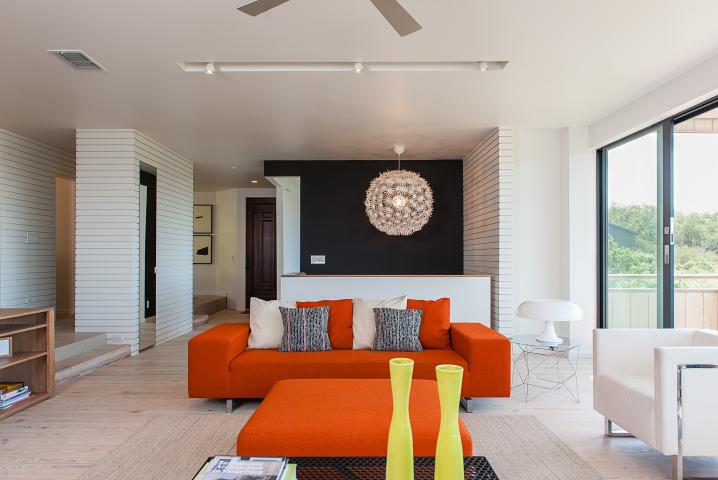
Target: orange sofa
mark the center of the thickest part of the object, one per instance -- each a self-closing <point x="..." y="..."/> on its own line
<point x="221" y="366"/>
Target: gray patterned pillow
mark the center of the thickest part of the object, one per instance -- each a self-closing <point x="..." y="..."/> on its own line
<point x="305" y="329"/>
<point x="397" y="330"/>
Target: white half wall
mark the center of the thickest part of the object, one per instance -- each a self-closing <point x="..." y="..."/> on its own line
<point x="28" y="170"/>
<point x="107" y="237"/>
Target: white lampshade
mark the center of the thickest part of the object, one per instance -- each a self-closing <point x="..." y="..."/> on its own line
<point x="550" y="311"/>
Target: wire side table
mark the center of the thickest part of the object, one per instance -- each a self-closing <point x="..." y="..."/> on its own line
<point x="549" y="367"/>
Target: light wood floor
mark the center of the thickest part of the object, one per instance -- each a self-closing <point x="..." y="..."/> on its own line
<point x="88" y="418"/>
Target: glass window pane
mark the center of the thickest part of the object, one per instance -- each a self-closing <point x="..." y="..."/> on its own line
<point x="632" y="250"/>
<point x="696" y="222"/>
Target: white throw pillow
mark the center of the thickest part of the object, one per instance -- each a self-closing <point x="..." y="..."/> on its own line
<point x="265" y="323"/>
<point x="363" y="322"/>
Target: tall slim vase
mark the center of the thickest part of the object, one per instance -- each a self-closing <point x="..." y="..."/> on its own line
<point x="449" y="462"/>
<point x="400" y="448"/>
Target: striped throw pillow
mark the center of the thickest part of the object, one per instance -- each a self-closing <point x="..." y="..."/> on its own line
<point x="305" y="329"/>
<point x="397" y="330"/>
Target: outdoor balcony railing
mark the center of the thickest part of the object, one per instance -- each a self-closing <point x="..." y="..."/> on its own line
<point x="632" y="301"/>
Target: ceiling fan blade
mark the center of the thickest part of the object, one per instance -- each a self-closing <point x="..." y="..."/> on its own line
<point x="260" y="6"/>
<point x="400" y="19"/>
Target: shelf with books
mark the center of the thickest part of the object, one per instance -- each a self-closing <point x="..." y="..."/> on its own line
<point x="31" y="362"/>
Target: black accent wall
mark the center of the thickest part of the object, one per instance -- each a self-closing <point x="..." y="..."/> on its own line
<point x="334" y="223"/>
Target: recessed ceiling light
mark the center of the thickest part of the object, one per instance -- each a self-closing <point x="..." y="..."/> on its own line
<point x="358" y="67"/>
<point x="235" y="168"/>
<point x="255" y="181"/>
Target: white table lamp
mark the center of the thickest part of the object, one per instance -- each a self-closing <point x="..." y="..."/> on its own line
<point x="550" y="311"/>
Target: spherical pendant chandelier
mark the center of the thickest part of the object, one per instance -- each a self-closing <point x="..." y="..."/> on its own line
<point x="399" y="202"/>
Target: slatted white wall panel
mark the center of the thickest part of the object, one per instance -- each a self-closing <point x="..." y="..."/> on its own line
<point x="107" y="242"/>
<point x="488" y="219"/>
<point x="107" y="264"/>
<point x="174" y="236"/>
<point x="27" y="219"/>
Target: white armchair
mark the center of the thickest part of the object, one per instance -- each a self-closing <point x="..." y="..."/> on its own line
<point x="636" y="385"/>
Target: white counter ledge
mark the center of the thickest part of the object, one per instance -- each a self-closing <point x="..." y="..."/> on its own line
<point x="470" y="294"/>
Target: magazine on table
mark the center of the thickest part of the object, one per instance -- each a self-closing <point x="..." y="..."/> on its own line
<point x="243" y="468"/>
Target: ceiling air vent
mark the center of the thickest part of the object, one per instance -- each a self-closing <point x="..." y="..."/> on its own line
<point x="78" y="59"/>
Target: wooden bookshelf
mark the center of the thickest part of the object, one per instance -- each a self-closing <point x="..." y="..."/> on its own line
<point x="33" y="353"/>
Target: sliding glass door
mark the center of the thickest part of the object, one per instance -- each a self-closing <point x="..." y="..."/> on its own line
<point x="658" y="225"/>
<point x="695" y="287"/>
<point x="632" y="228"/>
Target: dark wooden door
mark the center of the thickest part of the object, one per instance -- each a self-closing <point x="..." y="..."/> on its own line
<point x="261" y="249"/>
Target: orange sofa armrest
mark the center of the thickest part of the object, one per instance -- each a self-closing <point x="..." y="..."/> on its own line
<point x="210" y="354"/>
<point x="488" y="354"/>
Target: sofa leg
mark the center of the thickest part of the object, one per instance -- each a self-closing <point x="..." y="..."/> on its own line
<point x="608" y="431"/>
<point x="677" y="467"/>
<point x="231" y="404"/>
<point x="467" y="403"/>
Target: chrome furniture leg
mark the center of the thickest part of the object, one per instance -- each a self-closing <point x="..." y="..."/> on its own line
<point x="608" y="430"/>
<point x="678" y="459"/>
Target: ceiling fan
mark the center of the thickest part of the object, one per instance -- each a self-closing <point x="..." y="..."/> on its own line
<point x="396" y="15"/>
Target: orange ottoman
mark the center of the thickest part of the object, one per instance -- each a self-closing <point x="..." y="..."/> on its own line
<point x="340" y="418"/>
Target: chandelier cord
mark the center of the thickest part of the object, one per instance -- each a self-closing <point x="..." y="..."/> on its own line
<point x="399" y="162"/>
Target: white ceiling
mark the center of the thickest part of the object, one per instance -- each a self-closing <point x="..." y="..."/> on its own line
<point x="572" y="62"/>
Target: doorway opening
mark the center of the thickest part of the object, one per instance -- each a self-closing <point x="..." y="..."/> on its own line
<point x="148" y="259"/>
<point x="65" y="250"/>
<point x="261" y="261"/>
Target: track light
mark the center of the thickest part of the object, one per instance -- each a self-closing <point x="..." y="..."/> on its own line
<point x="352" y="67"/>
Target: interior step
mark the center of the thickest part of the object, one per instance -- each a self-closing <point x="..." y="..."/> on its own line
<point x="70" y="344"/>
<point x="198" y="320"/>
<point x="209" y="304"/>
<point x="84" y="363"/>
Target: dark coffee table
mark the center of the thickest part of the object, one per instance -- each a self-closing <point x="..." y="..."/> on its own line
<point x="374" y="468"/>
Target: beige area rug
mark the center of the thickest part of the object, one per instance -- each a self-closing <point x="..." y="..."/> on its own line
<point x="174" y="447"/>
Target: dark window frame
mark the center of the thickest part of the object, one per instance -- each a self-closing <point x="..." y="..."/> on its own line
<point x="665" y="129"/>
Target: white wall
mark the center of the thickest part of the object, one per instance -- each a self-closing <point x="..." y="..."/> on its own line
<point x="537" y="220"/>
<point x="226" y="275"/>
<point x="288" y="191"/>
<point x="228" y="245"/>
<point x="204" y="278"/>
<point x="555" y="225"/>
<point x="582" y="248"/>
<point x="688" y="89"/>
<point x="27" y="219"/>
<point x="107" y="236"/>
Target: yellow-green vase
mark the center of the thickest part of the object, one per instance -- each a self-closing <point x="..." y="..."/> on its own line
<point x="400" y="448"/>
<point x="449" y="463"/>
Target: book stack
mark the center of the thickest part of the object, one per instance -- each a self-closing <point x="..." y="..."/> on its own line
<point x="12" y="392"/>
<point x="246" y="468"/>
